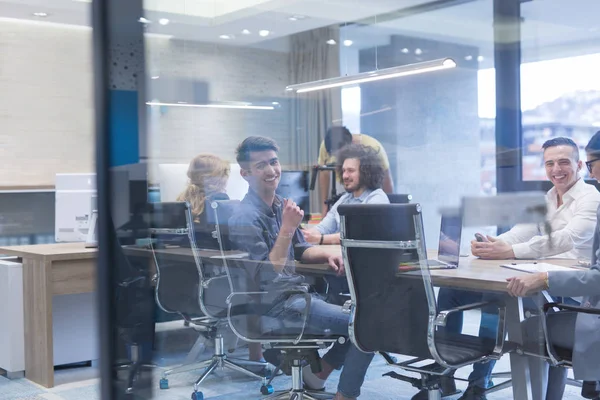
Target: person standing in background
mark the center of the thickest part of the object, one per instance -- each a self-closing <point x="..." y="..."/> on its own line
<point x="336" y="138"/>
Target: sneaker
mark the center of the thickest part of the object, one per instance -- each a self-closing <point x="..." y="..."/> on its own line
<point x="265" y="371"/>
<point x="473" y="393"/>
<point x="447" y="386"/>
<point x="312" y="381"/>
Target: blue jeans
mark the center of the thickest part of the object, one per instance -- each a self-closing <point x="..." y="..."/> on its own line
<point x="325" y="318"/>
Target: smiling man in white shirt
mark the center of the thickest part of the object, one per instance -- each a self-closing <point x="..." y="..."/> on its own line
<point x="572" y="206"/>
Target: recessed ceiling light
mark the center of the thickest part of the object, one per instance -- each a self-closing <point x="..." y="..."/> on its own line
<point x="144" y="20"/>
<point x="296" y="17"/>
<point x="405" y="50"/>
<point x="275" y="103"/>
<point x="348" y="42"/>
<point x="245" y="32"/>
<point x="155" y="77"/>
<point x="226" y="37"/>
<point x="164" y="21"/>
<point x="40" y="14"/>
<point x="418" y="51"/>
<point x="264" y="32"/>
<point x="331" y="42"/>
<point x="480" y="58"/>
<point x="469" y="58"/>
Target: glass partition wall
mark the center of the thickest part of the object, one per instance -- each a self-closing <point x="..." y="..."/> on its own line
<point x="454" y="99"/>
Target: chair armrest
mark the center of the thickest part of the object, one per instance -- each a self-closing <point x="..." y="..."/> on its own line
<point x="208" y="281"/>
<point x="347" y="307"/>
<point x="568" y="307"/>
<point x="441" y="318"/>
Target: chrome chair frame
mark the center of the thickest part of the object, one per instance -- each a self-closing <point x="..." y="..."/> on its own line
<point x="436" y="318"/>
<point x="210" y="322"/>
<point x="285" y="344"/>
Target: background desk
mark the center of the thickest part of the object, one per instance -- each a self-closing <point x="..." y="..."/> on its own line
<point x="49" y="270"/>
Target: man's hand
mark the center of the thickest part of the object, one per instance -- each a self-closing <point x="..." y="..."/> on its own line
<point x="336" y="263"/>
<point x="312" y="235"/>
<point x="291" y="217"/>
<point x="495" y="249"/>
<point x="520" y="286"/>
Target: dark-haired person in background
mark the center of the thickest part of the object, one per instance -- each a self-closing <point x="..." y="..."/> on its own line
<point x="338" y="137"/>
<point x="572" y="206"/>
<point x="567" y="329"/>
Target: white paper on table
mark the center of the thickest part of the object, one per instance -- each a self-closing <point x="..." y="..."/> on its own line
<point x="538" y="267"/>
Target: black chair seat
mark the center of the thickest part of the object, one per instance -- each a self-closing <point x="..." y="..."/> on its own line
<point x="458" y="348"/>
<point x="540" y="349"/>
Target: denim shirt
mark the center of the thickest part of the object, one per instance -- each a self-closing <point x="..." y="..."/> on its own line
<point x="254" y="229"/>
<point x="331" y="222"/>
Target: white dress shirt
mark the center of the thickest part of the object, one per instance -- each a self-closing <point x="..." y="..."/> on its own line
<point x="573" y="226"/>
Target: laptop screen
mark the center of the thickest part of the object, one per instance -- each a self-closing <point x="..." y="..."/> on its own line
<point x="449" y="245"/>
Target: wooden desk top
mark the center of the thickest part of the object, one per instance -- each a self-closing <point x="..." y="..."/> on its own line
<point x="52" y="252"/>
<point x="472" y="273"/>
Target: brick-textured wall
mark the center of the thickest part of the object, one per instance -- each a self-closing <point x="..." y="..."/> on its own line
<point x="233" y="74"/>
<point x="46" y="102"/>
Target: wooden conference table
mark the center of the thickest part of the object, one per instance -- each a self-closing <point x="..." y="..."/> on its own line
<point x="69" y="268"/>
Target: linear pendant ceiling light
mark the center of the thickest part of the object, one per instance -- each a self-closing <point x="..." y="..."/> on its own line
<point x="387" y="73"/>
<point x="241" y="106"/>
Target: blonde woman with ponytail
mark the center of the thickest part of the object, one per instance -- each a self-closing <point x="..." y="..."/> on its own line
<point x="208" y="176"/>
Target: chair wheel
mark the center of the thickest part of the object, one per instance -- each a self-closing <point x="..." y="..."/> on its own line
<point x="197" y="396"/>
<point x="266" y="389"/>
<point x="164" y="383"/>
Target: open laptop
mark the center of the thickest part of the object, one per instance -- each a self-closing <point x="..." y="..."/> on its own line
<point x="449" y="243"/>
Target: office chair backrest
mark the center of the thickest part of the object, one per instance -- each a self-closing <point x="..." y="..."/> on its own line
<point x="179" y="279"/>
<point x="399" y="198"/>
<point x="390" y="308"/>
<point x="222" y="211"/>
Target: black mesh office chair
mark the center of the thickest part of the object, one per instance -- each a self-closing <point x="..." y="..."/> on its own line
<point x="134" y="314"/>
<point x="399" y="198"/>
<point x="558" y="356"/>
<point x="394" y="307"/>
<point x="195" y="290"/>
<point x="248" y="308"/>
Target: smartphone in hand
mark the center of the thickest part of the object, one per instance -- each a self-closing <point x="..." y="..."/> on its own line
<point x="480" y="238"/>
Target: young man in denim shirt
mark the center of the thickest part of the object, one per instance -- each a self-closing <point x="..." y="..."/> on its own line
<point x="267" y="227"/>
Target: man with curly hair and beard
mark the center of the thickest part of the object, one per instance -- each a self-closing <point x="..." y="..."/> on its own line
<point x="362" y="175"/>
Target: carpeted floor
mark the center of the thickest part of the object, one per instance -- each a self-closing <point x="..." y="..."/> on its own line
<point x="83" y="383"/>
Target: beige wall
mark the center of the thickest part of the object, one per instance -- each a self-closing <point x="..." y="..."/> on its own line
<point x="46" y="102"/>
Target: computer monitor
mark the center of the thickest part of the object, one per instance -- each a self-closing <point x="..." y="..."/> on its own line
<point x="294" y="185"/>
<point x="172" y="179"/>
